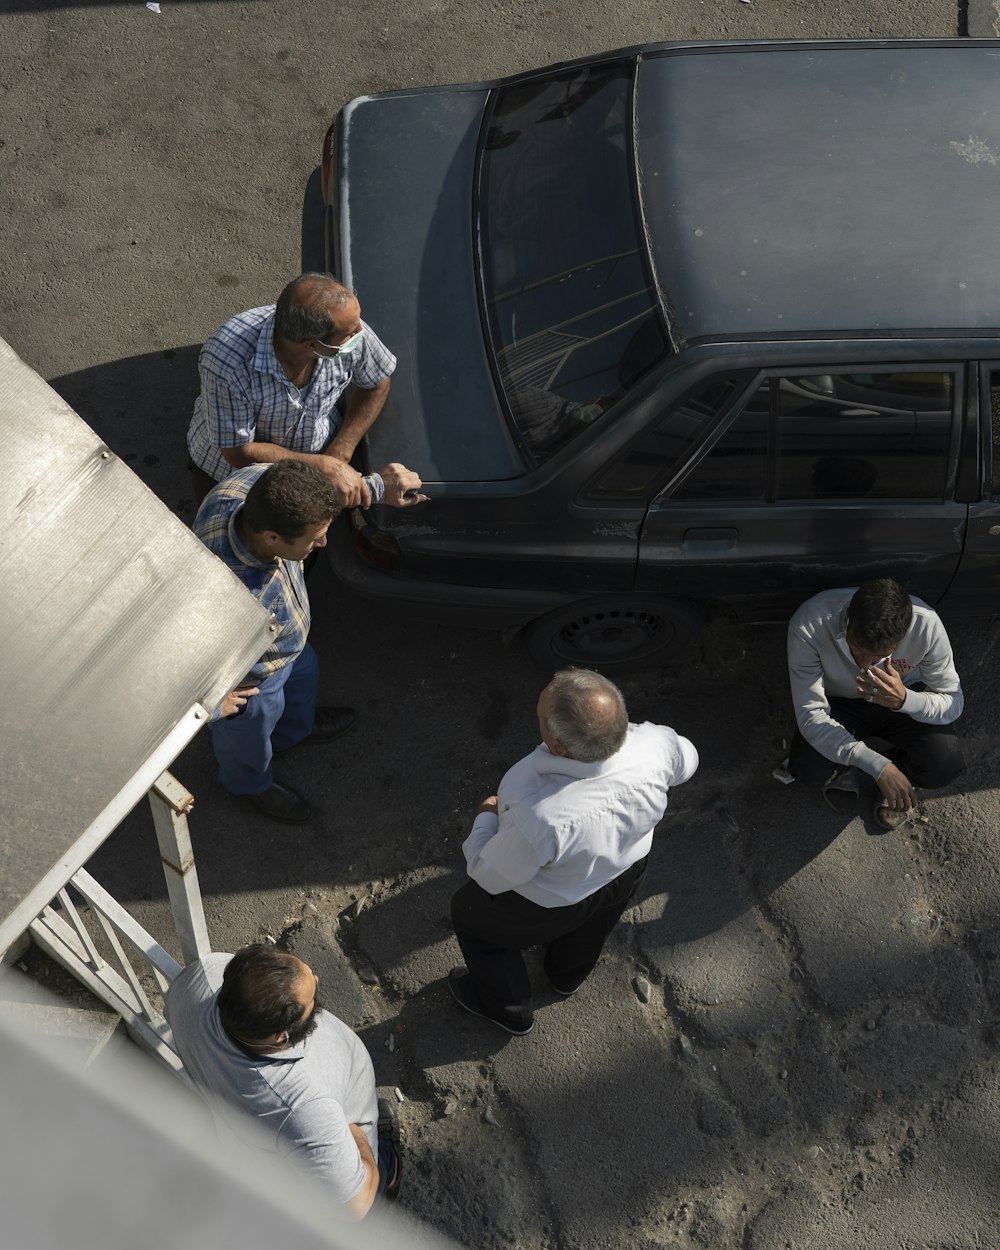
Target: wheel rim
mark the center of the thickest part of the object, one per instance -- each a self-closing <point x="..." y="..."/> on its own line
<point x="613" y="635"/>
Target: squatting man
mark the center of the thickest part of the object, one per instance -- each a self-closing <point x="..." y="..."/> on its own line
<point x="875" y="692"/>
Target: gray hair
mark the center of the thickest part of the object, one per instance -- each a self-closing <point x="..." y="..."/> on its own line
<point x="303" y="309"/>
<point x="587" y="714"/>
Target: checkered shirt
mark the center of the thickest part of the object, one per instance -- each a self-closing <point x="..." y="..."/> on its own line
<point x="278" y="585"/>
<point x="245" y="394"/>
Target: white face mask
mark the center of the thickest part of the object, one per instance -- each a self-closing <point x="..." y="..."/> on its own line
<point x="341" y="349"/>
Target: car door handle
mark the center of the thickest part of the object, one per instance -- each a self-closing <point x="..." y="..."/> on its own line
<point x="857" y="412"/>
<point x="717" y="540"/>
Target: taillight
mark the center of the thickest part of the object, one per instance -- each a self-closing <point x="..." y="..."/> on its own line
<point x="329" y="140"/>
<point x="374" y="546"/>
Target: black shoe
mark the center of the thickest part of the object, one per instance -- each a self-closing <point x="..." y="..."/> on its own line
<point x="328" y="723"/>
<point x="556" y="989"/>
<point x="463" y="990"/>
<point x="388" y="1120"/>
<point x="280" y="803"/>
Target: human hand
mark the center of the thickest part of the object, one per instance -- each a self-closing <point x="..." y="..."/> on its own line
<point x="488" y="805"/>
<point x="896" y="789"/>
<point x="881" y="684"/>
<point x="236" y="699"/>
<point x="398" y="479"/>
<point x="347" y="482"/>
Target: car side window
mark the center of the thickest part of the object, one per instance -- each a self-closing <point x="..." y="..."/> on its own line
<point x="667" y="441"/>
<point x="865" y="435"/>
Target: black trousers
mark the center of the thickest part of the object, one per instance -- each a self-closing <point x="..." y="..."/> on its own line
<point x="929" y="755"/>
<point x="493" y="929"/>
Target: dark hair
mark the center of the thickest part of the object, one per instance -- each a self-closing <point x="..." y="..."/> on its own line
<point x="257" y="998"/>
<point x="287" y="497"/>
<point x="879" y="614"/>
<point x="303" y="308"/>
<point x="586" y="713"/>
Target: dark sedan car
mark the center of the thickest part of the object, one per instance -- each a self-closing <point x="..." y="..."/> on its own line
<point x="681" y="329"/>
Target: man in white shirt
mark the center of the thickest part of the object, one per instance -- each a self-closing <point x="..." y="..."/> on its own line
<point x="556" y="855"/>
<point x="875" y="691"/>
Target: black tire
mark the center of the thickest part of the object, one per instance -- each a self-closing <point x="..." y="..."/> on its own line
<point x="613" y="634"/>
<point x="313" y="249"/>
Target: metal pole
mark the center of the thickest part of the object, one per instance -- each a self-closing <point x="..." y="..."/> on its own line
<point x="171" y="803"/>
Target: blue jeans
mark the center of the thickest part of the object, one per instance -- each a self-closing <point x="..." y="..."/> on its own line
<point x="386" y="1164"/>
<point x="281" y="715"/>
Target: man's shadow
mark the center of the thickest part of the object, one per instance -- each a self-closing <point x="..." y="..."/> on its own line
<point x="709" y="872"/>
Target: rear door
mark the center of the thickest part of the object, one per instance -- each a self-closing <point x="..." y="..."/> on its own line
<point x="976" y="588"/>
<point x="817" y="478"/>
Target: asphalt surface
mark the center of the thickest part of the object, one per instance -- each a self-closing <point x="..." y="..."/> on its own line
<point x="792" y="1038"/>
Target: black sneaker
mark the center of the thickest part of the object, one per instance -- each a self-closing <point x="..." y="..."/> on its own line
<point x="463" y="990"/>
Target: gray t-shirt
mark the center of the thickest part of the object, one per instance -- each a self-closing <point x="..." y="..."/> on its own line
<point x="303" y="1099"/>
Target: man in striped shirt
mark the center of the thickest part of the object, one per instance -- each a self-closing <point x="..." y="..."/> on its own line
<point x="263" y="521"/>
<point x="273" y="382"/>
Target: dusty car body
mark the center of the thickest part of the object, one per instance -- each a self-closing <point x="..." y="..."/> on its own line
<point x="681" y="329"/>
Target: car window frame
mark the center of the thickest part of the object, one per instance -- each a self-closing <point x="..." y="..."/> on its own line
<point x="959" y="368"/>
<point x="585" y="499"/>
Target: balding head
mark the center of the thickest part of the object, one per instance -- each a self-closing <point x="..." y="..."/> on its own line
<point x="310" y="306"/>
<point x="582" y="716"/>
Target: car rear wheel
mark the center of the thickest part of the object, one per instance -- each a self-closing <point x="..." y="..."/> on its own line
<point x="613" y="635"/>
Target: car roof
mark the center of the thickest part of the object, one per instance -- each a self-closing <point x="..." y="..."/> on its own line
<point x="796" y="189"/>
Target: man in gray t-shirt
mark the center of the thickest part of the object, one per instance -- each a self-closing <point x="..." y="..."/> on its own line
<point x="256" y="1042"/>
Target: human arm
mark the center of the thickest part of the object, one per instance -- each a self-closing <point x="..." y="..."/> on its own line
<point x="498" y="855"/>
<point x="363" y="407"/>
<point x="319" y="1138"/>
<point x="812" y="708"/>
<point x="351" y="488"/>
<point x="942" y="702"/>
<point x="361" y="1203"/>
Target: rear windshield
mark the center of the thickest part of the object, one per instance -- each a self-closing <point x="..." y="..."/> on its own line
<point x="571" y="310"/>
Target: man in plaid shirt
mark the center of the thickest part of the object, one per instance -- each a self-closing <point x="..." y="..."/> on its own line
<point x="262" y="522"/>
<point x="272" y="380"/>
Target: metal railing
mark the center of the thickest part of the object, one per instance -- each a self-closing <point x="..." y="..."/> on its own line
<point x="100" y="947"/>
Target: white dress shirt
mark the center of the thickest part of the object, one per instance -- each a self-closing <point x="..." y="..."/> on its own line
<point x="565" y="828"/>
